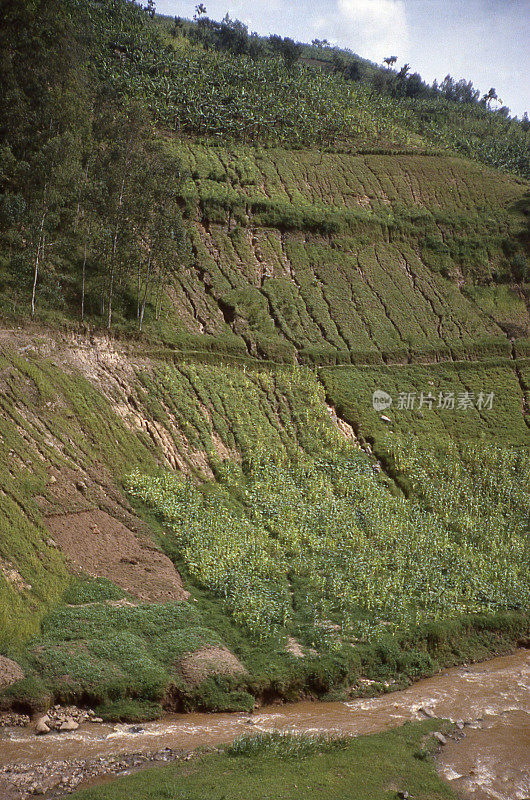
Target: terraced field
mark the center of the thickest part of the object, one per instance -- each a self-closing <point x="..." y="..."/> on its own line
<point x="351" y="180"/>
<point x="419" y="401"/>
<point x="308" y="500"/>
<point x="349" y="258"/>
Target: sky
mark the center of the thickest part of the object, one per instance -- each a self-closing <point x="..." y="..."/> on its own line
<point x="485" y="41"/>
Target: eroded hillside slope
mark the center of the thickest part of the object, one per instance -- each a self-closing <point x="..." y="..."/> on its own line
<point x="210" y="509"/>
<point x="129" y="482"/>
<point x="343" y="257"/>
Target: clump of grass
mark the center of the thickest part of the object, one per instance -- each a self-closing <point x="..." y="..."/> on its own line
<point x="217" y="694"/>
<point x="92" y="590"/>
<point x="286" y="745"/>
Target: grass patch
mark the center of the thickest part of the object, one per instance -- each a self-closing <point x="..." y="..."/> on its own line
<point x="129" y="711"/>
<point x="285" y="745"/>
<point x="110" y="656"/>
<point x="350" y="389"/>
<point x="92" y="590"/>
<point x="286" y="766"/>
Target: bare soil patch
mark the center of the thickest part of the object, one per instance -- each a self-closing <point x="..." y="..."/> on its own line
<point x="104" y="547"/>
<point x="10" y="672"/>
<point x="197" y="667"/>
<point x="8" y="791"/>
<point x="294" y="648"/>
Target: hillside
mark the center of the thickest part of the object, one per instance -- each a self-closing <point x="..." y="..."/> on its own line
<point x="209" y="262"/>
<point x="339" y="257"/>
<point x="281" y="522"/>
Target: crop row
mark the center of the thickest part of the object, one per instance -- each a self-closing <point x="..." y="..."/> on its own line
<point x="348" y="179"/>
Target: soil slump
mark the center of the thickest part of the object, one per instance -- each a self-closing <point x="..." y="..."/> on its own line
<point x="490" y="701"/>
<point x="102" y="546"/>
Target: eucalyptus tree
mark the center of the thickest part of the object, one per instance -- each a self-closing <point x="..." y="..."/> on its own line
<point x="51" y="178"/>
<point x="122" y="138"/>
<point x="490" y="95"/>
<point x="161" y="231"/>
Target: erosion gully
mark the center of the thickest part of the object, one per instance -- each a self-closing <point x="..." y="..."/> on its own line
<point x="488" y="759"/>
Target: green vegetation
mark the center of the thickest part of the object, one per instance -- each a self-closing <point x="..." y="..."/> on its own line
<point x="284" y="745"/>
<point x="348" y="259"/>
<point x="301" y="537"/>
<point x="270" y="228"/>
<point x="287" y="766"/>
<point x="142" y="123"/>
<point x="109" y="653"/>
<point x="351" y="390"/>
<point x="317" y="515"/>
<point x="450" y="115"/>
<point x="50" y="423"/>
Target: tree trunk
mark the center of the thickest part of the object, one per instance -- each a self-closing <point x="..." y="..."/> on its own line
<point x="40" y="244"/>
<point x="109" y="301"/>
<point x="144" y="301"/>
<point x="83" y="283"/>
<point x="138" y="289"/>
<point x="78" y="207"/>
<point x="158" y="300"/>
<point x="113" y="257"/>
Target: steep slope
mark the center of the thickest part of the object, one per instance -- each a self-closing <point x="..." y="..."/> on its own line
<point x="211" y="509"/>
<point x="308" y="526"/>
<point x="339" y="257"/>
<point x="284" y="526"/>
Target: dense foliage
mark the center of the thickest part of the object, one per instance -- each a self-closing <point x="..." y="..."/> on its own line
<point x="89" y="188"/>
<point x="88" y="205"/>
<point x="368" y="560"/>
<point x="452" y="114"/>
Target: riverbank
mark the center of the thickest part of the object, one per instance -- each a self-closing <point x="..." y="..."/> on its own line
<point x="485" y="702"/>
<point x="268" y="765"/>
<point x="282" y="766"/>
<point x="272" y="674"/>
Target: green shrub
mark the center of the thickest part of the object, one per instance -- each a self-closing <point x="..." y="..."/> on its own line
<point x="92" y="591"/>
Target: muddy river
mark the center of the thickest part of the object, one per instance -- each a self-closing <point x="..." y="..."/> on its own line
<point x="490" y="701"/>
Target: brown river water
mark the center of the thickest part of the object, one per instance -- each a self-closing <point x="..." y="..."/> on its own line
<point x="490" y="762"/>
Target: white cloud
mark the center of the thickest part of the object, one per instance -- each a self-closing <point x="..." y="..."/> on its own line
<point x="373" y="28"/>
